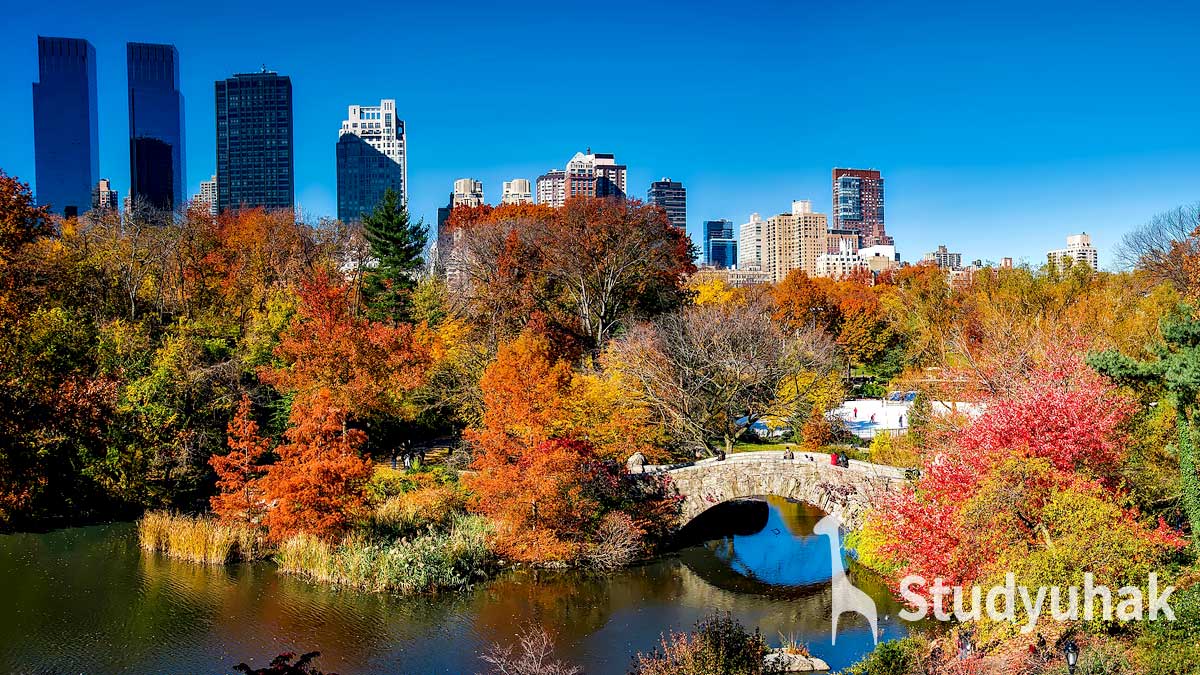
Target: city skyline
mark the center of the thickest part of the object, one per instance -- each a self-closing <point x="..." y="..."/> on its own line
<point x="981" y="154"/>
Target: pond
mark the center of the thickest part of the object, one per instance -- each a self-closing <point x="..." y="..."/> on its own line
<point x="88" y="600"/>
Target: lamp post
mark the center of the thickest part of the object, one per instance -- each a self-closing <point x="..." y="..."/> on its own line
<point x="1072" y="652"/>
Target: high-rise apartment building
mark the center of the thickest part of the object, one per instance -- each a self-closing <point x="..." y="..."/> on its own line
<point x="1079" y="250"/>
<point x="794" y="240"/>
<point x="208" y="195"/>
<point x="255" y="163"/>
<point x="516" y="191"/>
<point x="750" y="244"/>
<point x="672" y="197"/>
<point x="858" y="205"/>
<point x="720" y="247"/>
<point x="371" y="158"/>
<point x="104" y="198"/>
<point x="157" y="166"/>
<point x="943" y="258"/>
<point x="65" y="133"/>
<point x="587" y="175"/>
<point x="552" y="188"/>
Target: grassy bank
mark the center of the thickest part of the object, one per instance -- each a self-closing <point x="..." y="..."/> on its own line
<point x="451" y="558"/>
<point x="200" y="539"/>
<point x="445" y="558"/>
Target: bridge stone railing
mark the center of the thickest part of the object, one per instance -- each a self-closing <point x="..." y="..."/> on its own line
<point x="846" y="492"/>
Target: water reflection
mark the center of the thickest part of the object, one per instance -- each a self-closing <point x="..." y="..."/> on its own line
<point x="88" y="600"/>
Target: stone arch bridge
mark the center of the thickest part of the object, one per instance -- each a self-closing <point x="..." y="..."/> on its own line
<point x="846" y="492"/>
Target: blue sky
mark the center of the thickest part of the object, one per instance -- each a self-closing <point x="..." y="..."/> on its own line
<point x="1000" y="127"/>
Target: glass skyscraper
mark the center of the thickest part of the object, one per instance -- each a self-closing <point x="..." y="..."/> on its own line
<point x="156" y="159"/>
<point x="370" y="159"/>
<point x="255" y="164"/>
<point x="720" y="247"/>
<point x="65" y="131"/>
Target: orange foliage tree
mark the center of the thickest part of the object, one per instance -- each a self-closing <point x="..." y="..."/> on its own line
<point x="239" y="497"/>
<point x="317" y="484"/>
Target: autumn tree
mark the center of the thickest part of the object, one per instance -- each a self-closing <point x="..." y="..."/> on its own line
<point x="316" y="486"/>
<point x="1177" y="370"/>
<point x="711" y="371"/>
<point x="1165" y="247"/>
<point x="239" y="495"/>
<point x="396" y="245"/>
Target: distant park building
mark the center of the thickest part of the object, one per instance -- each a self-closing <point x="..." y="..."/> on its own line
<point x="157" y="166"/>
<point x="671" y="195"/>
<point x="371" y="158"/>
<point x="945" y="259"/>
<point x="1079" y="250"/>
<point x="516" y="191"/>
<point x="720" y="247"/>
<point x="65" y="133"/>
<point x="858" y="205"/>
<point x="104" y="198"/>
<point x="255" y="160"/>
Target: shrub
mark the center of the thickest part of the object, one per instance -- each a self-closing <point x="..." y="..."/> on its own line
<point x="422" y="508"/>
<point x="617" y="542"/>
<point x="719" y="645"/>
<point x="895" y="657"/>
<point x="895" y="450"/>
<point x="283" y="665"/>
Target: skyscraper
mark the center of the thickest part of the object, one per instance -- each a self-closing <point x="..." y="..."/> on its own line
<point x="750" y="244"/>
<point x="858" y="205"/>
<point x="720" y="248"/>
<point x="156" y="155"/>
<point x="255" y="165"/>
<point x="65" y="132"/>
<point x="672" y="197"/>
<point x="793" y="241"/>
<point x="516" y="191"/>
<point x="371" y="157"/>
<point x="551" y="188"/>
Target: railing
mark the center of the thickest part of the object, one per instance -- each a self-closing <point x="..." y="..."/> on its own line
<point x="777" y="456"/>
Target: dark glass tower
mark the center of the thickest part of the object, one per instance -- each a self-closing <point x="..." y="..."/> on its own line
<point x="672" y="197"/>
<point x="65" y="136"/>
<point x="255" y="165"/>
<point x="720" y="248"/>
<point x="156" y="160"/>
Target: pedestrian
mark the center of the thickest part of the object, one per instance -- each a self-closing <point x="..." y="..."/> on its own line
<point x="421" y="456"/>
<point x="833" y="459"/>
<point x="407" y="460"/>
<point x="720" y="455"/>
<point x="855" y="412"/>
<point x="787" y="452"/>
<point x="872" y="418"/>
<point x="395" y="458"/>
<point x="902" y="421"/>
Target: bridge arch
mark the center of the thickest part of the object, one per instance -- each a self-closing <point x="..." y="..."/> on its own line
<point x="846" y="492"/>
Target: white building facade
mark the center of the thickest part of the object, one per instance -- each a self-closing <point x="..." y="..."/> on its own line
<point x="367" y="133"/>
<point x="516" y="191"/>
<point x="750" y="244"/>
<point x="1079" y="250"/>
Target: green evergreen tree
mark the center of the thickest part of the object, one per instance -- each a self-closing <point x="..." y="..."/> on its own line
<point x="1177" y="370"/>
<point x="397" y="245"/>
